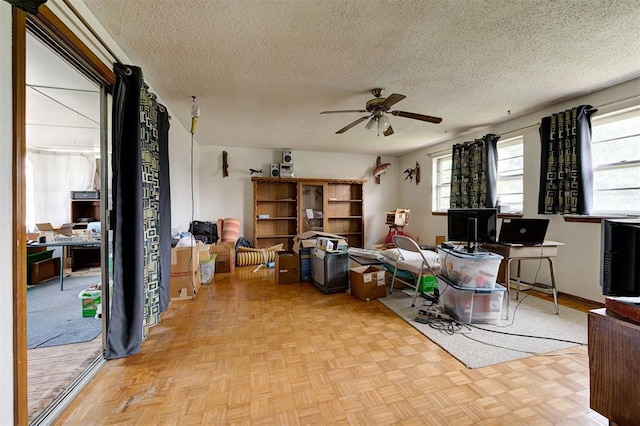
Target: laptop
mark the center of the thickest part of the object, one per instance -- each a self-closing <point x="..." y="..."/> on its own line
<point x="523" y="231"/>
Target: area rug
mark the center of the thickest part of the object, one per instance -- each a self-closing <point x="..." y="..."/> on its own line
<point x="54" y="317"/>
<point x="533" y="328"/>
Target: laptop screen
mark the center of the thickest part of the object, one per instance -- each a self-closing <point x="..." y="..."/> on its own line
<point x="523" y="231"/>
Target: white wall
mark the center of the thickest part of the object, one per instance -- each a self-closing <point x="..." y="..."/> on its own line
<point x="6" y="199"/>
<point x="578" y="262"/>
<point x="233" y="196"/>
<point x="180" y="176"/>
<point x="179" y="136"/>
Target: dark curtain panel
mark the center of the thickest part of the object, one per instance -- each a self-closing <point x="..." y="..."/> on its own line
<point x="165" y="208"/>
<point x="150" y="207"/>
<point x="29" y="6"/>
<point x="474" y="173"/>
<point x="566" y="172"/>
<point x="124" y="334"/>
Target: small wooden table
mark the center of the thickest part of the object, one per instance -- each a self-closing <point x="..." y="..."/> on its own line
<point x="510" y="252"/>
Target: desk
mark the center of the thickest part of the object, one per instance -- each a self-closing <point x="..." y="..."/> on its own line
<point x="63" y="244"/>
<point x="548" y="250"/>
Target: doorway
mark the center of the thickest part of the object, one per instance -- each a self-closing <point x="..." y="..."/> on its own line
<point x="63" y="184"/>
<point x="61" y="125"/>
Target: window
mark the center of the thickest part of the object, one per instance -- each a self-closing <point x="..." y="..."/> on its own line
<point x="441" y="183"/>
<point x="615" y="150"/>
<point x="510" y="177"/>
<point x="510" y="174"/>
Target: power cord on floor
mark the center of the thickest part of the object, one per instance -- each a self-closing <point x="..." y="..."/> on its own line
<point x="527" y="335"/>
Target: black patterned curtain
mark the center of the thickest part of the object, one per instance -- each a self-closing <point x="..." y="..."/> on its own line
<point x="29" y="6"/>
<point x="566" y="172"/>
<point x="474" y="173"/>
<point x="138" y="247"/>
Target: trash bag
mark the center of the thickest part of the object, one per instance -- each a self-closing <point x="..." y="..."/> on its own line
<point x="207" y="232"/>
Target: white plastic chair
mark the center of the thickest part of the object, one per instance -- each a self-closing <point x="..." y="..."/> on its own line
<point x="417" y="267"/>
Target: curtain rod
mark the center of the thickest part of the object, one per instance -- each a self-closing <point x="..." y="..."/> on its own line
<point x="444" y="151"/>
<point x="91" y="30"/>
<point x="95" y="34"/>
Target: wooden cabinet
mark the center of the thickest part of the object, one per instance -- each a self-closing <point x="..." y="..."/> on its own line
<point x="614" y="350"/>
<point x="284" y="207"/>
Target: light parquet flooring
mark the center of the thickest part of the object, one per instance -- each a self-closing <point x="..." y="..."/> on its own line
<point x="249" y="351"/>
<point x="51" y="370"/>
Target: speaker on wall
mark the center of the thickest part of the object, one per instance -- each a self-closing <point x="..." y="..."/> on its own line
<point x="287" y="156"/>
<point x="275" y="170"/>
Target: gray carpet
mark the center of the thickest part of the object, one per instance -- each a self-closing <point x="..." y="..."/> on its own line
<point x="54" y="317"/>
<point x="478" y="348"/>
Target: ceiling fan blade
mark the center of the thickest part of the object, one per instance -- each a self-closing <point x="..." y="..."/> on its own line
<point x="393" y="99"/>
<point x="355" y="123"/>
<point x="343" y="110"/>
<point x="415" y="116"/>
<point x="389" y="131"/>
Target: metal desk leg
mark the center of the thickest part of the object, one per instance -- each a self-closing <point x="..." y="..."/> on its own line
<point x="62" y="269"/>
<point x="508" y="284"/>
<point x="518" y="281"/>
<point x="553" y="283"/>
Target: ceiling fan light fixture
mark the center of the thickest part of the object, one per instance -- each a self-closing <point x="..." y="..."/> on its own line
<point x="371" y="125"/>
<point x="383" y="124"/>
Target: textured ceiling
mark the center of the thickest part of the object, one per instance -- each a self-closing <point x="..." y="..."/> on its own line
<point x="262" y="70"/>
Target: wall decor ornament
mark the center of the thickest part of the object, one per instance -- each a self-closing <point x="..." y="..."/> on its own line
<point x="380" y="169"/>
<point x="413" y="173"/>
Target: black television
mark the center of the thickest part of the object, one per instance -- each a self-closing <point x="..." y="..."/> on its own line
<point x="472" y="225"/>
<point x="620" y="257"/>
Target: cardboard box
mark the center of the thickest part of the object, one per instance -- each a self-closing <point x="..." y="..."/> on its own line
<point x="225" y="256"/>
<point x="332" y="244"/>
<point x="367" y="282"/>
<point x="339" y="241"/>
<point x="185" y="273"/>
<point x="48" y="231"/>
<point x="45" y="270"/>
<point x="398" y="217"/>
<point x="287" y="267"/>
<point x="91" y="298"/>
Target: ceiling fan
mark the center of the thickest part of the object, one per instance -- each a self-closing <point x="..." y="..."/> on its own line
<point x="377" y="109"/>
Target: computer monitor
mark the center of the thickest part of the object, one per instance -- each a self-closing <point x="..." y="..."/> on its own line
<point x="472" y="226"/>
<point x="620" y="257"/>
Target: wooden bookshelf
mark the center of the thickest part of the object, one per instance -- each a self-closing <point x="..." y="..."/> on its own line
<point x="284" y="207"/>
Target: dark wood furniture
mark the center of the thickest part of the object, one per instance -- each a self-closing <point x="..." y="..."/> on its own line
<point x="614" y="367"/>
<point x="84" y="210"/>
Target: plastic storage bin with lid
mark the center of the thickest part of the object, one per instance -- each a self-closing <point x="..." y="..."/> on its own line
<point x="472" y="305"/>
<point x="470" y="270"/>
